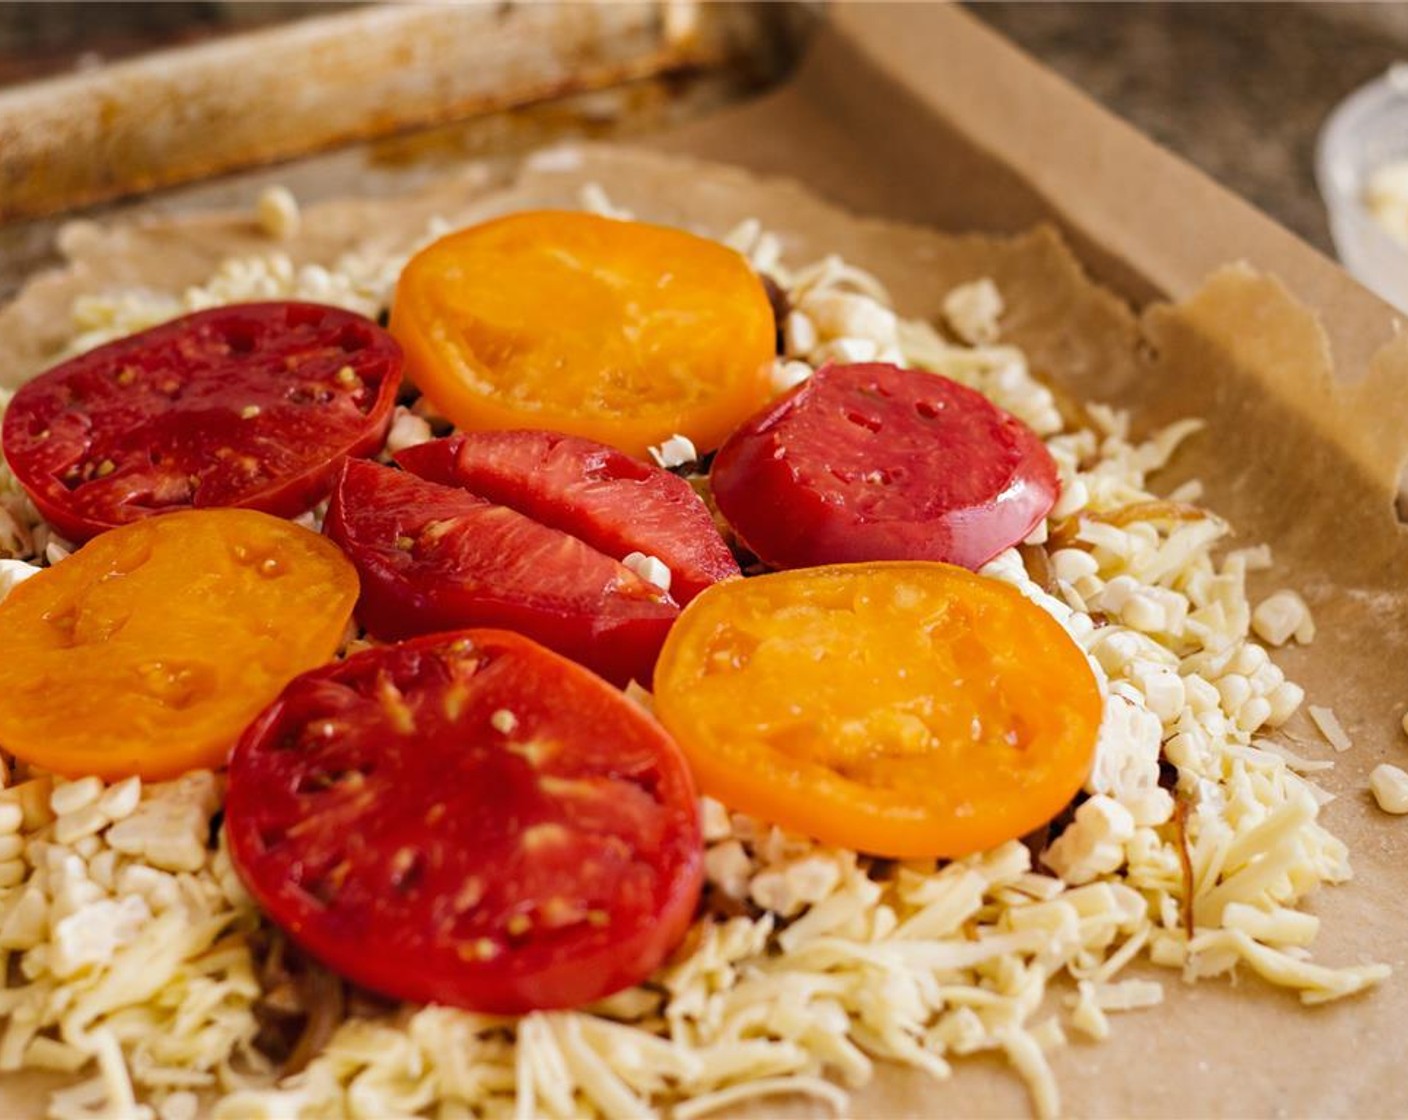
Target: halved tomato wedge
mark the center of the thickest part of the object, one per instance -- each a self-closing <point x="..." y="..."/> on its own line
<point x="435" y="557"/>
<point x="611" y="501"/>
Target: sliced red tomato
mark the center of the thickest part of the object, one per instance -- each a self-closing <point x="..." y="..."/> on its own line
<point x="435" y="557"/>
<point x="252" y="405"/>
<point x="874" y="462"/>
<point x="613" y="502"/>
<point x="468" y="819"/>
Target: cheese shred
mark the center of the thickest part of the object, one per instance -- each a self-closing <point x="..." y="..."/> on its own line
<point x="131" y="943"/>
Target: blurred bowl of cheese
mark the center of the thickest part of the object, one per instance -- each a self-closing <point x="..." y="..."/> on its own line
<point x="1361" y="165"/>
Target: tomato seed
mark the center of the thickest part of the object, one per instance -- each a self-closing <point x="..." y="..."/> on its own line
<point x="455" y="698"/>
<point x="504" y="721"/>
<point x="393" y="704"/>
<point x="480" y="949"/>
<point x="557" y="912"/>
<point x="470" y="895"/>
<point x="338" y="875"/>
<point x="544" y="835"/>
<point x="406" y="867"/>
<point x="534" y="752"/>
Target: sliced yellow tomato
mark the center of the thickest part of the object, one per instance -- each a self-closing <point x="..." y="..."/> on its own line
<point x="904" y="709"/>
<point x="151" y="648"/>
<point x="621" y="332"/>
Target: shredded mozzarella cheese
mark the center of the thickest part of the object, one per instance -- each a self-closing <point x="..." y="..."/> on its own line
<point x="1281" y="617"/>
<point x="143" y="970"/>
<point x="1389" y="784"/>
<point x="1330" y="727"/>
<point x="13" y="573"/>
<point x="650" y="568"/>
<point x="677" y="451"/>
<point x="407" y="430"/>
<point x="278" y="213"/>
<point x="972" y="311"/>
<point x="130" y="932"/>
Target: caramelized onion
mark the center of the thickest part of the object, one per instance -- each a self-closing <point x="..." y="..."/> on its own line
<point x="1065" y="532"/>
<point x="1038" y="566"/>
<point x="301" y="1006"/>
<point x="1160" y="509"/>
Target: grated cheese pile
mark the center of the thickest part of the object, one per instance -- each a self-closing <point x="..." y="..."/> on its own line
<point x="129" y="940"/>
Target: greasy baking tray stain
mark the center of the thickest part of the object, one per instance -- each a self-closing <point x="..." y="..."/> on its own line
<point x="755" y="51"/>
<point x="309" y="86"/>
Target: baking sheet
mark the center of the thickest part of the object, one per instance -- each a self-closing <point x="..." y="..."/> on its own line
<point x="192" y="112"/>
<point x="1299" y="453"/>
<point x="1222" y="1050"/>
<point x="675" y="60"/>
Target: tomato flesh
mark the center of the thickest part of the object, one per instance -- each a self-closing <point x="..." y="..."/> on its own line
<point x="874" y="462"/>
<point x="435" y="557"/>
<point x="621" y="332"/>
<point x="251" y="405"/>
<point x="609" y="500"/>
<point x="906" y="709"/>
<point x="149" y="650"/>
<point x="468" y="819"/>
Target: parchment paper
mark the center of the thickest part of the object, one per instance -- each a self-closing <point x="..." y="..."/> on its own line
<point x="1291" y="456"/>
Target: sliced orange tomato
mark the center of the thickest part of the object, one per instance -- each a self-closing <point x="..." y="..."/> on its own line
<point x="617" y="331"/>
<point x="904" y="709"/>
<point x="149" y="650"/>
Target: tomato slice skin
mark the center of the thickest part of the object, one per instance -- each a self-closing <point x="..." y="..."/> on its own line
<point x="435" y="557"/>
<point x="468" y="819"/>
<point x="149" y="650"/>
<point x="874" y="462"/>
<point x="246" y="405"/>
<point x="905" y="709"/>
<point x="621" y="332"/>
<point x="613" y="502"/>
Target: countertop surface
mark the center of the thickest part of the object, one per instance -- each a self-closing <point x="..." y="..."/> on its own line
<point x="1240" y="89"/>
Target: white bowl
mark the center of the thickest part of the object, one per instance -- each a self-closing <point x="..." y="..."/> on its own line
<point x="1367" y="130"/>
